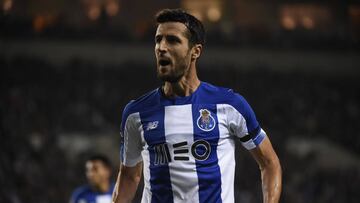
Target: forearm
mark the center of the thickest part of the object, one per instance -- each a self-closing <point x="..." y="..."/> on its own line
<point x="270" y="168"/>
<point x="126" y="186"/>
<point x="125" y="191"/>
<point x="271" y="176"/>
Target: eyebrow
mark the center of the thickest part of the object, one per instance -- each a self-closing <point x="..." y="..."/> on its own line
<point x="166" y="35"/>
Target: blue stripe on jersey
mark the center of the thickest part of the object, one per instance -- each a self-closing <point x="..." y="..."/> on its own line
<point x="154" y="134"/>
<point x="242" y="106"/>
<point x="208" y="170"/>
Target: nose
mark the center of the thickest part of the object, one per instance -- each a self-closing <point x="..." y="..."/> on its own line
<point x="162" y="46"/>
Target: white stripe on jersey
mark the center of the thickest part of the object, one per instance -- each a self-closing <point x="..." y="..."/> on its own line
<point x="226" y="156"/>
<point x="182" y="173"/>
<point x="147" y="194"/>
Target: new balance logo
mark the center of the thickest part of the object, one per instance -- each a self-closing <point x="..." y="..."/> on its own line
<point x="152" y="125"/>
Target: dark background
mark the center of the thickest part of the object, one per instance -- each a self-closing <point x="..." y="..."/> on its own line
<point x="68" y="68"/>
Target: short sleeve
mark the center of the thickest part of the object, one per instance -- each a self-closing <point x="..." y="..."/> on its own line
<point x="131" y="144"/>
<point x="243" y="123"/>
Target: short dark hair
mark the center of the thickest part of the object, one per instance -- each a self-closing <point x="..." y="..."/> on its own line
<point x="101" y="158"/>
<point x="196" y="34"/>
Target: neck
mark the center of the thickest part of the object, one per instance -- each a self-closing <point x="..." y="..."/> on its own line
<point x="185" y="86"/>
<point x="102" y="187"/>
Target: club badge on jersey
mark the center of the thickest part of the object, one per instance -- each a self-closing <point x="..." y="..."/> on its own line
<point x="205" y="121"/>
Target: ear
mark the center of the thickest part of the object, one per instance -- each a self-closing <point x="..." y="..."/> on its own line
<point x="196" y="51"/>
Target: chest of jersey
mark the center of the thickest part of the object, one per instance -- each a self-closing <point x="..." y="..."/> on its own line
<point x="183" y="132"/>
<point x="182" y="145"/>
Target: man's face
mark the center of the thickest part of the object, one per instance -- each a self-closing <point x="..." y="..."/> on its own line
<point x="173" y="54"/>
<point x="96" y="172"/>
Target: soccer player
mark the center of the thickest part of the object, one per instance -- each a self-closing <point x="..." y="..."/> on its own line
<point x="99" y="188"/>
<point x="182" y="134"/>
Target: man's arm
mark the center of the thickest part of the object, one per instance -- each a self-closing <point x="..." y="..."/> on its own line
<point x="269" y="164"/>
<point x="127" y="183"/>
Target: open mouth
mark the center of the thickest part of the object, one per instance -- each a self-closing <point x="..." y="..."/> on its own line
<point x="164" y="62"/>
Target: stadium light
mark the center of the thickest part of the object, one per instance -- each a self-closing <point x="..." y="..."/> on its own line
<point x="7" y="5"/>
<point x="214" y="14"/>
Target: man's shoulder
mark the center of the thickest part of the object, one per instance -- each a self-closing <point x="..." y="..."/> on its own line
<point x="221" y="94"/>
<point x="217" y="88"/>
<point x="81" y="191"/>
<point x="226" y="96"/>
<point x="149" y="99"/>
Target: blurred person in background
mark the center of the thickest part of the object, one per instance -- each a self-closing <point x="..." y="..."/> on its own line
<point x="182" y="134"/>
<point x="99" y="188"/>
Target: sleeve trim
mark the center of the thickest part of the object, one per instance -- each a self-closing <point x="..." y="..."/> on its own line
<point x="253" y="143"/>
<point x="251" y="135"/>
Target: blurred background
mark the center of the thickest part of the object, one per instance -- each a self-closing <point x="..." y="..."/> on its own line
<point x="68" y="67"/>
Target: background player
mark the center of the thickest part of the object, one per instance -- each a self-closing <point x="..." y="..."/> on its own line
<point x="182" y="134"/>
<point x="99" y="187"/>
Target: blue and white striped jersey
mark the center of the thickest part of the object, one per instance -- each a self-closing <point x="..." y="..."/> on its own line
<point x="85" y="194"/>
<point x="187" y="143"/>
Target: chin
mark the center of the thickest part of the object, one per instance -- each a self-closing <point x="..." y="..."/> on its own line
<point x="169" y="78"/>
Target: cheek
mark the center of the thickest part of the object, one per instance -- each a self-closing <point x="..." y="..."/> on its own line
<point x="155" y="50"/>
<point x="186" y="59"/>
<point x="104" y="173"/>
<point x="183" y="57"/>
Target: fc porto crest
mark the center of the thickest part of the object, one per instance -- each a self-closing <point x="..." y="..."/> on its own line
<point x="205" y="121"/>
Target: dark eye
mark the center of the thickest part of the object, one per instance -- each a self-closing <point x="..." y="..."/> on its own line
<point x="173" y="39"/>
<point x="158" y="39"/>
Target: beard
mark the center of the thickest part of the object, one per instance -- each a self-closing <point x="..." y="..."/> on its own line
<point x="172" y="76"/>
<point x="175" y="73"/>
